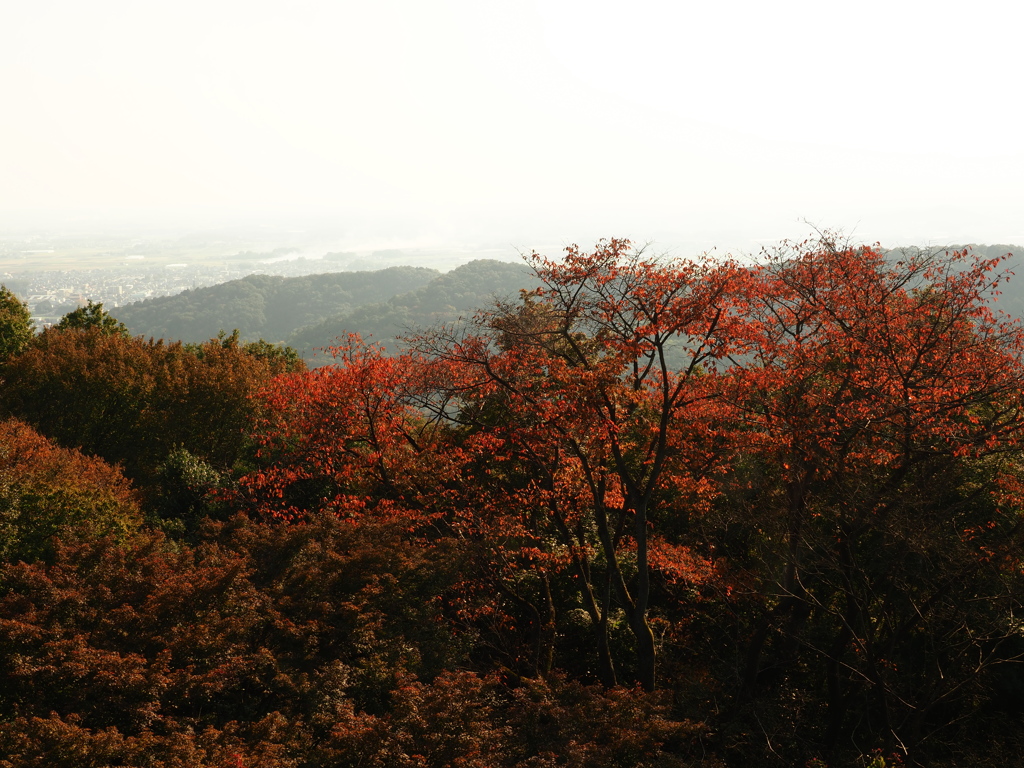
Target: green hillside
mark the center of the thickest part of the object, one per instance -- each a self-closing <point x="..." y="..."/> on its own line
<point x="444" y="299"/>
<point x="267" y="306"/>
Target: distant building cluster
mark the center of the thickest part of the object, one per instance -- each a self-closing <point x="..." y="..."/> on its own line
<point x="50" y="294"/>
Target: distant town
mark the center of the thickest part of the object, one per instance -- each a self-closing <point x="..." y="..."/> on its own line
<point x="52" y="293"/>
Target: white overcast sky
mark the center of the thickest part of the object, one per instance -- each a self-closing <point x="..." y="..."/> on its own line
<point x="521" y="121"/>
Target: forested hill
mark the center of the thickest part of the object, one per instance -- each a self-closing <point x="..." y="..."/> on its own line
<point x="1011" y="293"/>
<point x="444" y="299"/>
<point x="266" y="306"/>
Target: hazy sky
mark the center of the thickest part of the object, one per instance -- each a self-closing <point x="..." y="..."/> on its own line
<point x="521" y="121"/>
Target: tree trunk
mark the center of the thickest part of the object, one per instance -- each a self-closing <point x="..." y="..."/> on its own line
<point x="645" y="648"/>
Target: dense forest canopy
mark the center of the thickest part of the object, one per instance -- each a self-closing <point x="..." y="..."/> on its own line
<point x="641" y="512"/>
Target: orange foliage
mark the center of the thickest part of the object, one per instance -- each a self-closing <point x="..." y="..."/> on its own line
<point x="344" y="438"/>
<point x="45" y="489"/>
<point x="132" y="401"/>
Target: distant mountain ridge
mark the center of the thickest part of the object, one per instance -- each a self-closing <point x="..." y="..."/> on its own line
<point x="267" y="306"/>
<point x="448" y="297"/>
<point x="312" y="312"/>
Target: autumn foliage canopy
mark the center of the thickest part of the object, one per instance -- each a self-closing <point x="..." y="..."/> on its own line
<point x="728" y="510"/>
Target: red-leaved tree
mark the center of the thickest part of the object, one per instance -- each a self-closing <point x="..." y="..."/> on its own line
<point x="595" y="386"/>
<point x="877" y="423"/>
